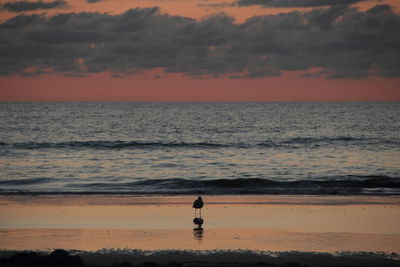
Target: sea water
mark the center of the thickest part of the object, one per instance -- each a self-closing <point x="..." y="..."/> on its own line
<point x="200" y="148"/>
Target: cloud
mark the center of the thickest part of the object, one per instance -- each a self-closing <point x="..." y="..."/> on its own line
<point x="383" y="8"/>
<point x="21" y="6"/>
<point x="296" y="3"/>
<point x="339" y="42"/>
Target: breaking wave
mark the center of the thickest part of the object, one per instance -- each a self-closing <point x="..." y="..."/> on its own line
<point x="347" y="185"/>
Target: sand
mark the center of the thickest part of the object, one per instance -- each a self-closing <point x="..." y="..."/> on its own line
<point x="151" y="223"/>
<point x="275" y="223"/>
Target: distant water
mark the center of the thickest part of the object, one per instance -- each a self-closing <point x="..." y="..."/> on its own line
<point x="200" y="148"/>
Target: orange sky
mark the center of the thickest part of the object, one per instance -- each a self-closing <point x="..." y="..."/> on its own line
<point x="176" y="87"/>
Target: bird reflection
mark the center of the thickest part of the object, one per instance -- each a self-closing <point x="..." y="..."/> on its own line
<point x="198" y="231"/>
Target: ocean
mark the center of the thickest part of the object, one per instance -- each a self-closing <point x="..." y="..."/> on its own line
<point x="200" y="148"/>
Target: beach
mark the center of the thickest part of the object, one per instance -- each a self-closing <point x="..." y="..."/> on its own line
<point x="109" y="223"/>
<point x="282" y="115"/>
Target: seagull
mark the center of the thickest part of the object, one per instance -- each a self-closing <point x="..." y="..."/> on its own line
<point x="198" y="204"/>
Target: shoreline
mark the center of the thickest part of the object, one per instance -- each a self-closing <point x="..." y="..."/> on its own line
<point x="139" y="199"/>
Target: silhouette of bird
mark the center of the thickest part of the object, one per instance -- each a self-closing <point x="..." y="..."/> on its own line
<point x="198" y="204"/>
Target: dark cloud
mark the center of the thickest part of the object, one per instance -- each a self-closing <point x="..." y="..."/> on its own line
<point x="296" y="3"/>
<point x="335" y="42"/>
<point x="93" y="1"/>
<point x="383" y="8"/>
<point x="21" y="6"/>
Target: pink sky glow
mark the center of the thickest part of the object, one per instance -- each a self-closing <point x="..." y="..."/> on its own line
<point x="176" y="86"/>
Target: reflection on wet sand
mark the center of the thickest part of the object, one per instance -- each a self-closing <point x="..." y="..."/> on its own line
<point x="198" y="231"/>
<point x="300" y="214"/>
<point x="227" y="239"/>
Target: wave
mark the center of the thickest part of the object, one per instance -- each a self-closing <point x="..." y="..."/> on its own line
<point x="347" y="185"/>
<point x="105" y="144"/>
<point x="336" y="186"/>
<point x="292" y="142"/>
<point x="28" y="181"/>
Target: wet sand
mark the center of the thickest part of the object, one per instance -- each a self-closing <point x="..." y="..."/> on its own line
<point x="209" y="239"/>
<point x="265" y="223"/>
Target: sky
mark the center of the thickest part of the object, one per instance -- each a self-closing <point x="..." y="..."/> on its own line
<point x="200" y="50"/>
